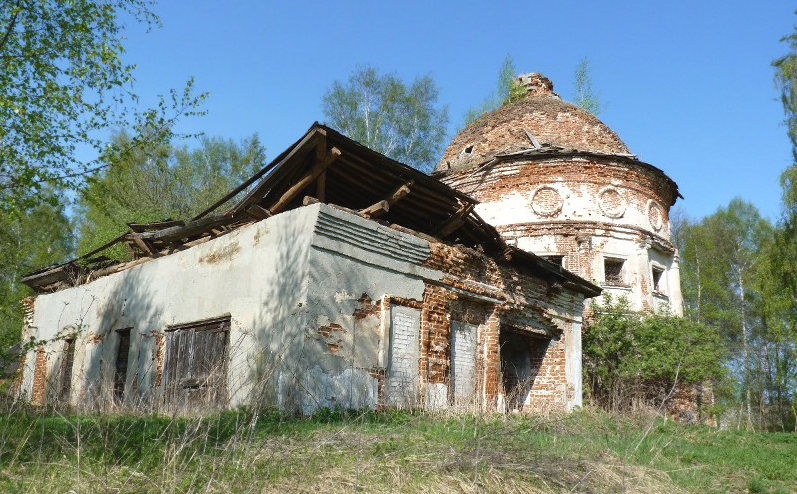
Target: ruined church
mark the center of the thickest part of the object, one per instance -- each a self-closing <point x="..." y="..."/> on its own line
<point x="336" y="276"/>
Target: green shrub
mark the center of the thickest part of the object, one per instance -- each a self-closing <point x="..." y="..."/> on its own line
<point x="640" y="356"/>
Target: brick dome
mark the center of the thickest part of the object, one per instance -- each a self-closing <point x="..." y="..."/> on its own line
<point x="542" y="114"/>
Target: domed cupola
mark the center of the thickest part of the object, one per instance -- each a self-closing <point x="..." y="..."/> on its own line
<point x="557" y="182"/>
<point x="542" y="116"/>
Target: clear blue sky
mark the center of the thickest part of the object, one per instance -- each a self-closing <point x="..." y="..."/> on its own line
<point x="687" y="85"/>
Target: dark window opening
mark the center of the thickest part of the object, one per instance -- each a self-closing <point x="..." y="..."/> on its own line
<point x="658" y="285"/>
<point x="557" y="259"/>
<point x="65" y="387"/>
<point x="467" y="150"/>
<point x="521" y="358"/>
<point x="122" y="355"/>
<point x="613" y="272"/>
<point x="195" y="370"/>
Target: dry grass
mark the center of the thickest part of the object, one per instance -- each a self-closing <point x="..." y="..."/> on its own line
<point x="244" y="451"/>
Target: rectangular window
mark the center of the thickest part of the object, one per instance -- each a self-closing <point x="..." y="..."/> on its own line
<point x="195" y="369"/>
<point x="122" y="355"/>
<point x="658" y="279"/>
<point x="613" y="271"/>
<point x="68" y="360"/>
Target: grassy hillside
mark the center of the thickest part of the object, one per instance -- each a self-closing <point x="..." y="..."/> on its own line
<point x="587" y="451"/>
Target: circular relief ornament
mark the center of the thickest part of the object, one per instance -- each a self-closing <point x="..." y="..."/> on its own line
<point x="611" y="202"/>
<point x="546" y="201"/>
<point x="655" y="215"/>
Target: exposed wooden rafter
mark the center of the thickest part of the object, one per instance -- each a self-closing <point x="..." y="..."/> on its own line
<point x="257" y="212"/>
<point x="306" y="180"/>
<point x="454" y="222"/>
<point x="383" y="206"/>
<point x="376" y="210"/>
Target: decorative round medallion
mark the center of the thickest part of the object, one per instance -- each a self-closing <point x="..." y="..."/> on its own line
<point x="546" y="201"/>
<point x="655" y="215"/>
<point x="611" y="202"/>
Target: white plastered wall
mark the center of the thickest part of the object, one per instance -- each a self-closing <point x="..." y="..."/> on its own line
<point x="278" y="280"/>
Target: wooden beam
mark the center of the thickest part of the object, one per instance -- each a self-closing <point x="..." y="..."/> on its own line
<point x="143" y="245"/>
<point x="315" y="137"/>
<point x="309" y="200"/>
<point x="320" y="156"/>
<point x="313" y="174"/>
<point x="454" y="222"/>
<point x="375" y="210"/>
<point x="450" y="227"/>
<point x="383" y="206"/>
<point x="158" y="225"/>
<point x="257" y="212"/>
<point x="321" y="187"/>
<point x="401" y="192"/>
<point x="190" y="229"/>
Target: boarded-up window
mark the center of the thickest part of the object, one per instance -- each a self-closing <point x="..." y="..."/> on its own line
<point x="68" y="360"/>
<point x="402" y="370"/>
<point x="195" y="371"/>
<point x="463" y="362"/>
<point x="122" y="355"/>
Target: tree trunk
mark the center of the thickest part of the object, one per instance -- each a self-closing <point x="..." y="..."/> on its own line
<point x="746" y="355"/>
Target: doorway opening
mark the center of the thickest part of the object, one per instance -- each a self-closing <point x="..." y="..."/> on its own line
<point x="521" y="357"/>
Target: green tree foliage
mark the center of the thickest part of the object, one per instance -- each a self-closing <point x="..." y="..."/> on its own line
<point x="402" y="121"/>
<point x="733" y="272"/>
<point x="160" y="183"/>
<point x="507" y="90"/>
<point x="786" y="80"/>
<point x="584" y="95"/>
<point x="63" y="83"/>
<point x="779" y="279"/>
<point x="638" y="356"/>
<point x="37" y="236"/>
<point x="785" y="246"/>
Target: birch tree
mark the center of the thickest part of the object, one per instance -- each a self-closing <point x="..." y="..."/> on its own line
<point x="400" y="120"/>
<point x="585" y="95"/>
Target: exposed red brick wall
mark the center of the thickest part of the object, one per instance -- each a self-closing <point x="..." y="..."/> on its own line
<point x="28" y="307"/>
<point x="474" y="272"/>
<point x="638" y="183"/>
<point x="20" y="375"/>
<point x="550" y="381"/>
<point x="603" y="191"/>
<point x="366" y="307"/>
<point x="160" y="356"/>
<point x="39" y="377"/>
<point x="489" y="347"/>
<point x="435" y="335"/>
<point x="545" y="116"/>
<point x="687" y="404"/>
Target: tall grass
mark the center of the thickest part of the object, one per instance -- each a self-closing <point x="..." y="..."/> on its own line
<point x="255" y="450"/>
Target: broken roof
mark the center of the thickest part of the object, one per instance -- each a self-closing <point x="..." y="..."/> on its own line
<point x="322" y="166"/>
<point x="541" y="113"/>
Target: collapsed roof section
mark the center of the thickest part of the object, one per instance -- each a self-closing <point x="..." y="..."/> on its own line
<point x="322" y="166"/>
